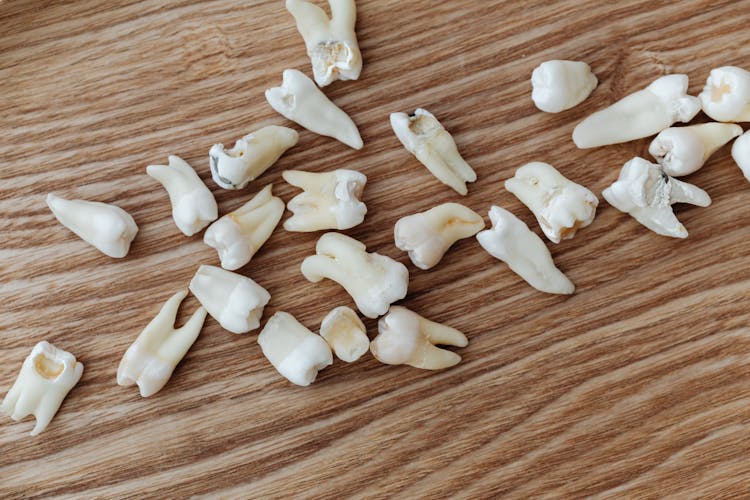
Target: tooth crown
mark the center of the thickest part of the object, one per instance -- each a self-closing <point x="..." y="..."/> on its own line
<point x="726" y="96"/>
<point x="345" y="333"/>
<point x="560" y="85"/>
<point x="684" y="150"/>
<point x="741" y="153"/>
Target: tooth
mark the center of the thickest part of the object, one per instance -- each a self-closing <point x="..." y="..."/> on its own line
<point x="330" y="200"/>
<point x="423" y="136"/>
<point x="683" y="150"/>
<point x="428" y="235"/>
<point x="561" y="206"/>
<point x="560" y="85"/>
<point x="296" y="352"/>
<point x="239" y="234"/>
<point x="644" y="191"/>
<point x="151" y="359"/>
<point x="299" y="100"/>
<point x="726" y="96"/>
<point x="741" y="153"/>
<point x="107" y="227"/>
<point x="641" y="114"/>
<point x="511" y="241"/>
<point x="250" y="157"/>
<point x="235" y="301"/>
<point x="374" y="281"/>
<point x="345" y="333"/>
<point x="46" y="377"/>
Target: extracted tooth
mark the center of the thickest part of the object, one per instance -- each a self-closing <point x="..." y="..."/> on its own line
<point x="511" y="241"/>
<point x="239" y="234"/>
<point x="47" y="376"/>
<point x="330" y="200"/>
<point x="374" y="281"/>
<point x="641" y="114"/>
<point x="423" y="136"/>
<point x="741" y="153"/>
<point x="559" y="85"/>
<point x="108" y="228"/>
<point x="561" y="206"/>
<point x="428" y="235"/>
<point x="300" y="100"/>
<point x="296" y="352"/>
<point x="644" y="191"/>
<point x="683" y="150"/>
<point x="345" y="333"/>
<point x="726" y="96"/>
<point x="235" y="301"/>
<point x="250" y="157"/>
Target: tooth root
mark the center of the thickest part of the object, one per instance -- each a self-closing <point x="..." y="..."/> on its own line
<point x="345" y="334"/>
<point x="726" y="95"/>
<point x="661" y="221"/>
<point x="438" y="333"/>
<point x="684" y="150"/>
<point x="434" y="358"/>
<point x="560" y="85"/>
<point x="741" y="153"/>
<point x="682" y="192"/>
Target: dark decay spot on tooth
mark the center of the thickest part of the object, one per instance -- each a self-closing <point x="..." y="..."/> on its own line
<point x="213" y="164"/>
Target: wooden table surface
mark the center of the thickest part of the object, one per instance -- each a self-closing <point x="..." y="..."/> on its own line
<point x="636" y="386"/>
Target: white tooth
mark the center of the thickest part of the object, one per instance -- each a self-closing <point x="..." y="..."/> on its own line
<point x="235" y="301"/>
<point x="511" y="241"/>
<point x="239" y="234"/>
<point x="109" y="228"/>
<point x="559" y="85"/>
<point x="741" y="153"/>
<point x="151" y="359"/>
<point x="423" y="136"/>
<point x="683" y="150"/>
<point x="428" y="235"/>
<point x="644" y="191"/>
<point x="726" y="96"/>
<point x="345" y="333"/>
<point x="250" y="157"/>
<point x="300" y="100"/>
<point x="374" y="281"/>
<point x="46" y="377"/>
<point x="641" y="114"/>
<point x="561" y="206"/>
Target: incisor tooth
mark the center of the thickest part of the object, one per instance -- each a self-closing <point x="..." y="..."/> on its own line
<point x="726" y="96"/>
<point x="683" y="150"/>
<point x="741" y="153"/>
<point x="345" y="333"/>
<point x="559" y="85"/>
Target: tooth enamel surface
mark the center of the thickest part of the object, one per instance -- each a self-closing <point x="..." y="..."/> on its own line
<point x="559" y="85"/>
<point x="561" y="206"/>
<point x="511" y="241"/>
<point x="46" y="377"/>
<point x="345" y="333"/>
<point x="424" y="137"/>
<point x="641" y="114"/>
<point x="300" y="100"/>
<point x="239" y="234"/>
<point x="296" y="352"/>
<point x="108" y="228"/>
<point x="235" y="301"/>
<point x="644" y="191"/>
<point x="374" y="281"/>
<point x="250" y="157"/>
<point x="726" y="96"/>
<point x="428" y="235"/>
<point x="741" y="153"/>
<point x="683" y="150"/>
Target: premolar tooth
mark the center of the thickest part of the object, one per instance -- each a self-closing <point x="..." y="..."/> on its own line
<point x="741" y="153"/>
<point x="726" y="96"/>
<point x="560" y="85"/>
<point x="345" y="333"/>
<point x="683" y="150"/>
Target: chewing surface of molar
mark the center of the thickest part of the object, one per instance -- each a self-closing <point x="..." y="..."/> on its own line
<point x="559" y="85"/>
<point x="345" y="333"/>
<point x="641" y="114"/>
<point x="46" y="377"/>
<point x="741" y="153"/>
<point x="193" y="204"/>
<point x="331" y="43"/>
<point x="108" y="228"/>
<point x="423" y="136"/>
<point x="561" y="206"/>
<point x="300" y="100"/>
<point x="235" y="301"/>
<point x="683" y="150"/>
<point x="330" y="200"/>
<point x="250" y="157"/>
<point x="511" y="241"/>
<point x="239" y="234"/>
<point x="297" y="353"/>
<point x="428" y="235"/>
<point x="151" y="359"/>
<point x="406" y="338"/>
<point x="726" y="96"/>
<point x="374" y="281"/>
<point x="644" y="191"/>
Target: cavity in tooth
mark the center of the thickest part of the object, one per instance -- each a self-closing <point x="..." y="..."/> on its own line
<point x="511" y="241"/>
<point x="301" y="101"/>
<point x="46" y="377"/>
<point x="239" y="234"/>
<point x="423" y="136"/>
<point x="641" y="114"/>
<point x="345" y="333"/>
<point x="741" y="153"/>
<point x="683" y="150"/>
<point x="108" y="228"/>
<point x="559" y="85"/>
<point x="374" y="281"/>
<point x="644" y="191"/>
<point x="726" y="96"/>
<point x="250" y="157"/>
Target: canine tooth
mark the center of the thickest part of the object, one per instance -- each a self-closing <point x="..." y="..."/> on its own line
<point x="683" y="150"/>
<point x="46" y="377"/>
<point x="726" y="96"/>
<point x="345" y="333"/>
<point x="374" y="281"/>
<point x="425" y="137"/>
<point x="511" y="241"/>
<point x="741" y="153"/>
<point x="559" y="85"/>
<point x="300" y="100"/>
<point x="108" y="228"/>
<point x="641" y="114"/>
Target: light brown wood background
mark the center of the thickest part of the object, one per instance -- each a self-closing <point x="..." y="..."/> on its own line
<point x="636" y="386"/>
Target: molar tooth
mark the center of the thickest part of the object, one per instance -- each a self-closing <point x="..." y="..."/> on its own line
<point x="726" y="96"/>
<point x="345" y="333"/>
<point x="560" y="85"/>
<point x="741" y="153"/>
<point x="683" y="150"/>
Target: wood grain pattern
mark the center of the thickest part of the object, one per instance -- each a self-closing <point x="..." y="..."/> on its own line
<point x="636" y="386"/>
